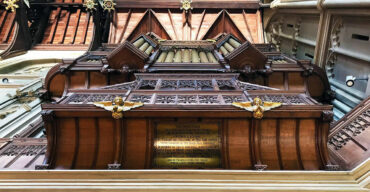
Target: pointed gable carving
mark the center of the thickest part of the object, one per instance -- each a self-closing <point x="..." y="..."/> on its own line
<point x="224" y="24"/>
<point x="132" y="55"/>
<point x="149" y="23"/>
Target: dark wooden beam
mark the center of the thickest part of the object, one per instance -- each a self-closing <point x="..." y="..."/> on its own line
<point x="2" y="19"/>
<point x="173" y="26"/>
<point x="9" y="29"/>
<point x="249" y="38"/>
<point x="68" y="15"/>
<point x="22" y="39"/>
<point x="54" y="27"/>
<point x="78" y="22"/>
<point x="200" y="24"/>
<point x="85" y="28"/>
<point x="125" y="26"/>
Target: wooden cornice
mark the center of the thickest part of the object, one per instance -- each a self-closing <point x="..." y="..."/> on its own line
<point x="215" y="4"/>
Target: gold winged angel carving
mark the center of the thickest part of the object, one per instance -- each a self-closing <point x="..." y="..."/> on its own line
<point x="118" y="106"/>
<point x="257" y="106"/>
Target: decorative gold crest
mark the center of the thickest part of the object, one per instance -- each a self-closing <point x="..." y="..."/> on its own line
<point x="257" y="106"/>
<point x="11" y="4"/>
<point x="90" y="5"/>
<point x="118" y="106"/>
<point x="109" y="5"/>
<point x="186" y="5"/>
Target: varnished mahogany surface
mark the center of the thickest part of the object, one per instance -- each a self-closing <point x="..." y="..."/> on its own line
<point x="291" y="137"/>
<point x="84" y="137"/>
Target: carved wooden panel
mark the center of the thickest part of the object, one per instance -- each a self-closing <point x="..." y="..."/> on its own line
<point x="246" y="143"/>
<point x="175" y="25"/>
<point x="349" y="137"/>
<point x="22" y="153"/>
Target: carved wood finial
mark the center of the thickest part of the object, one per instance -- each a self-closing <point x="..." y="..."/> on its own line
<point x="331" y="167"/>
<point x="114" y="166"/>
<point x="260" y="167"/>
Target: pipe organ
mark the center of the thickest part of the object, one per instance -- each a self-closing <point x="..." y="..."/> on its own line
<point x="211" y="104"/>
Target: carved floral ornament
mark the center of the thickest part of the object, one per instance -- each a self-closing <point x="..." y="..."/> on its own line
<point x="107" y="5"/>
<point x="186" y="5"/>
<point x="11" y="4"/>
<point x="274" y="29"/>
<point x="90" y="5"/>
<point x="334" y="43"/>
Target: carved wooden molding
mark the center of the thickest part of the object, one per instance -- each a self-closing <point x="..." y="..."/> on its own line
<point x="48" y="115"/>
<point x="127" y="55"/>
<point x="114" y="166"/>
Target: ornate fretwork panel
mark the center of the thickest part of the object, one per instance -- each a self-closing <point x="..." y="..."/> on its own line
<point x="90" y="98"/>
<point x="250" y="86"/>
<point x="285" y="99"/>
<point x="204" y="84"/>
<point x="78" y="98"/>
<point x="232" y="98"/>
<point x="351" y="130"/>
<point x="22" y="153"/>
<point x="208" y="99"/>
<point x="225" y="84"/>
<point x="169" y="84"/>
<point x="141" y="98"/>
<point x="348" y="140"/>
<point x="187" y="99"/>
<point x="187" y="84"/>
<point x="123" y="86"/>
<point x="165" y="99"/>
<point x="148" y="84"/>
<point x="183" y="99"/>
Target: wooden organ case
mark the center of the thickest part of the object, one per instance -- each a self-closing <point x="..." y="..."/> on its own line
<point x="187" y="119"/>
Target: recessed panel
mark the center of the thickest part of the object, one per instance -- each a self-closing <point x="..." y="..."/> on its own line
<point x="187" y="145"/>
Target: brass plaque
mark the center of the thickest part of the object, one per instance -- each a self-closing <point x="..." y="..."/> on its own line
<point x="187" y="145"/>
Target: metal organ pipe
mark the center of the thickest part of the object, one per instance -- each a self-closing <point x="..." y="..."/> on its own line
<point x="169" y="57"/>
<point x="144" y="46"/>
<point x="177" y="58"/>
<point x="211" y="57"/>
<point x="229" y="47"/>
<point x="139" y="42"/>
<point x="203" y="57"/>
<point x="149" y="50"/>
<point x="234" y="43"/>
<point x="194" y="56"/>
<point x="161" y="57"/>
<point x="186" y="56"/>
<point x="223" y="50"/>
